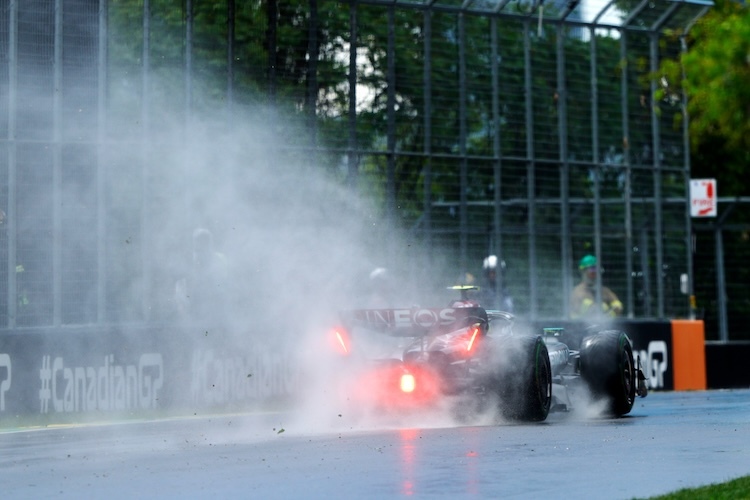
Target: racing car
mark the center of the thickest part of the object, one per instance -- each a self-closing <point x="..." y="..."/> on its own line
<point x="415" y="357"/>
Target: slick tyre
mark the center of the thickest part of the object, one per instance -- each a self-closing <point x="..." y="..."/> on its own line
<point x="608" y="369"/>
<point x="524" y="385"/>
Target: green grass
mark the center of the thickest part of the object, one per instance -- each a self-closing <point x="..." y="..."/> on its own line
<point x="737" y="489"/>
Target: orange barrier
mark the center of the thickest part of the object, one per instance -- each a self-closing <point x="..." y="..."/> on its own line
<point x="689" y="355"/>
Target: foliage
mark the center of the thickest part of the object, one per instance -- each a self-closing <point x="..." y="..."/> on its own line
<point x="423" y="118"/>
<point x="731" y="490"/>
<point x="716" y="71"/>
<point x="274" y="59"/>
<point x="713" y="74"/>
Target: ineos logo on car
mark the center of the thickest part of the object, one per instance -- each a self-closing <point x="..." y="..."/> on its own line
<point x="425" y="318"/>
<point x="405" y="318"/>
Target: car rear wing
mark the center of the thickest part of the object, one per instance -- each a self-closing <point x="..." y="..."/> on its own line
<point x="415" y="322"/>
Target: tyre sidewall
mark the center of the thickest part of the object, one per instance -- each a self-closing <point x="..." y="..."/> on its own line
<point x="608" y="369"/>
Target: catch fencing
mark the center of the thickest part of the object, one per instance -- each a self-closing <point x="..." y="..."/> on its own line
<point x="525" y="129"/>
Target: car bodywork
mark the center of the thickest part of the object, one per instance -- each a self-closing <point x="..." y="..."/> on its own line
<point x="399" y="359"/>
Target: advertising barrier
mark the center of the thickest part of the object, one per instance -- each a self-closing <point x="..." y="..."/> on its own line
<point x="671" y="353"/>
<point x="134" y="371"/>
<point x="96" y="372"/>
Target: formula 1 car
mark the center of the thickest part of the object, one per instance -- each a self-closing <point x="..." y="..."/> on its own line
<point x="416" y="357"/>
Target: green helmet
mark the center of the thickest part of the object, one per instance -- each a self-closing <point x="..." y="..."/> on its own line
<point x="587" y="261"/>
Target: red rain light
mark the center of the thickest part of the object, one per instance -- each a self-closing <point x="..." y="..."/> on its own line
<point x="473" y="338"/>
<point x="340" y="341"/>
<point x="396" y="387"/>
<point x="408" y="383"/>
<point x="474" y="334"/>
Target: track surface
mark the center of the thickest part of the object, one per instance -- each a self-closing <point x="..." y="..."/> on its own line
<point x="670" y="441"/>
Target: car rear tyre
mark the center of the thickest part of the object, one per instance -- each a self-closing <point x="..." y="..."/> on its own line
<point x="525" y="382"/>
<point x="608" y="369"/>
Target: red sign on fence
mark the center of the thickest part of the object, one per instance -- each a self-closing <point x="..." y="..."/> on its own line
<point x="703" y="198"/>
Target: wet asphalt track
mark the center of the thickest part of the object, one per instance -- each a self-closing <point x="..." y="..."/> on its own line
<point x="669" y="441"/>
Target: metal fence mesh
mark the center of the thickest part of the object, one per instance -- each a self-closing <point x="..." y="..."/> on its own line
<point x="517" y="128"/>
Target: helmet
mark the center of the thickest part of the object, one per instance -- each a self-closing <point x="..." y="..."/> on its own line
<point x="380" y="281"/>
<point x="379" y="274"/>
<point x="587" y="261"/>
<point x="203" y="245"/>
<point x="491" y="263"/>
<point x="203" y="238"/>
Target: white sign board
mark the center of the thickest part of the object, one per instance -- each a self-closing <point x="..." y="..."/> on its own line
<point x="703" y="198"/>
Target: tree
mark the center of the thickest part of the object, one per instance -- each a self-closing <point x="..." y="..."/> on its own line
<point x="716" y="71"/>
<point x="713" y="75"/>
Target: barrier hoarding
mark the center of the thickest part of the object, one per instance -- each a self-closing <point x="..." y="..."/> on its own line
<point x="97" y="373"/>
